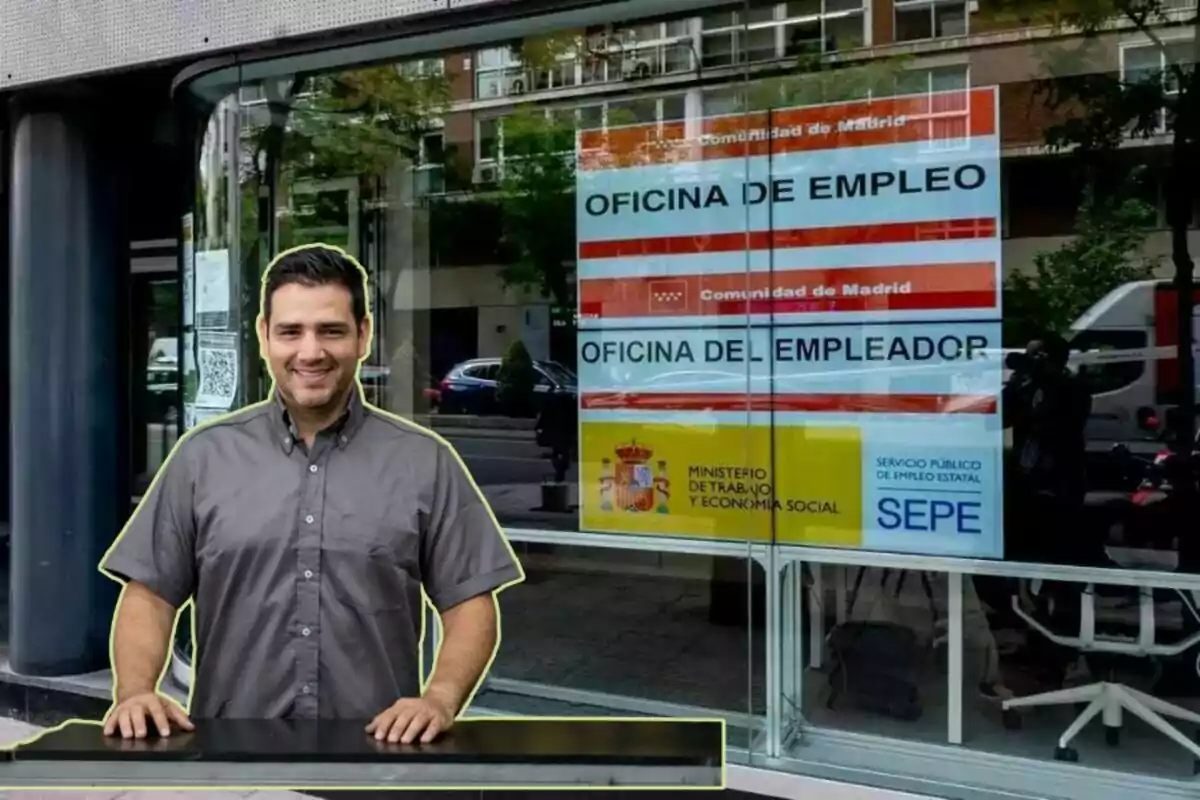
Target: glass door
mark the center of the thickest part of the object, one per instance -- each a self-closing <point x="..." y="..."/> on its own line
<point x="157" y="416"/>
<point x="155" y="318"/>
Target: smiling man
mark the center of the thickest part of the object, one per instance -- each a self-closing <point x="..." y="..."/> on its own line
<point x="305" y="528"/>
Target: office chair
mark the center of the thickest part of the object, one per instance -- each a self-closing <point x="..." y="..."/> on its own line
<point x="1111" y="700"/>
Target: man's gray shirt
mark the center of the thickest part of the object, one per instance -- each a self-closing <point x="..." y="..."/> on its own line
<point x="307" y="567"/>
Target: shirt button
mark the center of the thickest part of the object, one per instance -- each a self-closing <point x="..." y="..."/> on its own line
<point x="312" y="468"/>
<point x="344" y="440"/>
<point x="287" y="441"/>
<point x="308" y="573"/>
<point x="306" y="689"/>
<point x="309" y="519"/>
<point x="305" y="631"/>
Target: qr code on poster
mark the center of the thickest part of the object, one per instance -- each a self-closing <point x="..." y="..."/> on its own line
<point x="218" y="376"/>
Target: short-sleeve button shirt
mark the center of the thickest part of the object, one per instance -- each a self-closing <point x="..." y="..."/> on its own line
<point x="307" y="564"/>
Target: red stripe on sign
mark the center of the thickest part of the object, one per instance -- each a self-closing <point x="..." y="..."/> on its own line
<point x="897" y="302"/>
<point x="969" y="285"/>
<point x="812" y="403"/>
<point x="836" y="236"/>
<point x="941" y="301"/>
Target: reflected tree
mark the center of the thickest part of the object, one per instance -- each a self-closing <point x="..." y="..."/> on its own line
<point x="1099" y="111"/>
<point x="814" y="80"/>
<point x="536" y="197"/>
<point x="536" y="186"/>
<point x="363" y="122"/>
<point x="365" y="128"/>
<point x="1106" y="250"/>
<point x="515" y="381"/>
<point x="362" y="125"/>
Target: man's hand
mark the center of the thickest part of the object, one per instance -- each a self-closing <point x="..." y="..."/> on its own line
<point x="412" y="717"/>
<point x="129" y="716"/>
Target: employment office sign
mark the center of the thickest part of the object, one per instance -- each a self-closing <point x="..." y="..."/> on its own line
<point x="790" y="326"/>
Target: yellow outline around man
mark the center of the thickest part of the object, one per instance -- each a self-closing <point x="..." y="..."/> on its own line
<point x="306" y="530"/>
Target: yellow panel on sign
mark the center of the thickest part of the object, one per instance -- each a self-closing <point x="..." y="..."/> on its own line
<point x="723" y="482"/>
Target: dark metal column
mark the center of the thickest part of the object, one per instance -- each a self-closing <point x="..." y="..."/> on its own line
<point x="67" y="384"/>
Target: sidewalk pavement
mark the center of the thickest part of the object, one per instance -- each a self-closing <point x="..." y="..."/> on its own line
<point x="13" y="731"/>
<point x="521" y="503"/>
<point x="505" y="434"/>
<point x="460" y="421"/>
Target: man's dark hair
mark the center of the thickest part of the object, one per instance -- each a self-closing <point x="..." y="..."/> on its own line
<point x="317" y="266"/>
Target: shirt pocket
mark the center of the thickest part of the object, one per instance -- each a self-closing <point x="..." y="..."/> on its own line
<point x="372" y="565"/>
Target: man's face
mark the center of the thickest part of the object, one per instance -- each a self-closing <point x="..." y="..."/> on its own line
<point x="312" y="344"/>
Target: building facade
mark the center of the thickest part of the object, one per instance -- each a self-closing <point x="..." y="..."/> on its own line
<point x="689" y="66"/>
<point x="764" y="539"/>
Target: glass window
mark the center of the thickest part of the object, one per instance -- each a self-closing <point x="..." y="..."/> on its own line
<point x="499" y="72"/>
<point x="757" y="44"/>
<point x="489" y="139"/>
<point x="155" y="302"/>
<point x="844" y="32"/>
<point x="927" y="19"/>
<point x="720" y="49"/>
<point x="1116" y="374"/>
<point x="723" y="101"/>
<point x="591" y="117"/>
<point x="847" y="397"/>
<point x="423" y="67"/>
<point x="914" y="22"/>
<point x="802" y="8"/>
<point x="251" y="94"/>
<point x="718" y="20"/>
<point x="950" y="20"/>
<point x="1149" y="66"/>
<point x="627" y="112"/>
<point x="804" y="38"/>
<point x="674" y="108"/>
<point x="791" y="29"/>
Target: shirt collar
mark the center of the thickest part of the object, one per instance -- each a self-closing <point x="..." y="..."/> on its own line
<point x="343" y="429"/>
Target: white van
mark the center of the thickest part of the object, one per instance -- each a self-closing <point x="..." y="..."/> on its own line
<point x="1126" y="344"/>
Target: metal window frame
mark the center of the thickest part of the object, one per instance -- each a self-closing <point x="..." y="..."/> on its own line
<point x="932" y="6"/>
<point x="783" y="623"/>
<point x="1167" y="38"/>
<point x="603" y="103"/>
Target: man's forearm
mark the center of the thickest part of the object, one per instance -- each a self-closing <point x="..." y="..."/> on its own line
<point x="469" y="638"/>
<point x="141" y="637"/>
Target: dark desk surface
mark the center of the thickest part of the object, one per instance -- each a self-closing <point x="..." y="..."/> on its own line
<point x="509" y="741"/>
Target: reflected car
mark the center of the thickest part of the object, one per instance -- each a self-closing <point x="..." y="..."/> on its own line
<point x="374" y="381"/>
<point x="162" y="391"/>
<point x="470" y="386"/>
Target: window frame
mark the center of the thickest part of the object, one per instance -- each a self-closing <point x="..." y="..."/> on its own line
<point x="1168" y="40"/>
<point x="582" y="67"/>
<point x="779" y="24"/>
<point x="614" y="62"/>
<point x="929" y="90"/>
<point x="931" y="6"/>
<point x="576" y="109"/>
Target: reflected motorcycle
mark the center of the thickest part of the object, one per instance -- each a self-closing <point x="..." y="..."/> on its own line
<point x="1156" y="515"/>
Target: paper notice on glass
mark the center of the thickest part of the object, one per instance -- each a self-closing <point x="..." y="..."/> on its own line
<point x="190" y="377"/>
<point x="212" y="289"/>
<point x="193" y="416"/>
<point x="217" y="360"/>
<point x="203" y="415"/>
<point x="189" y="272"/>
